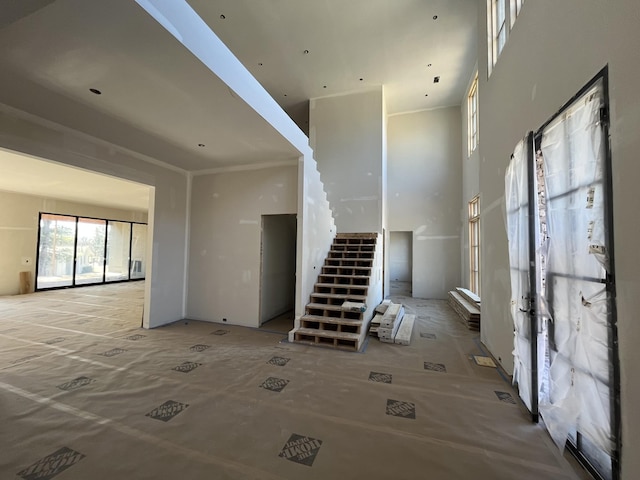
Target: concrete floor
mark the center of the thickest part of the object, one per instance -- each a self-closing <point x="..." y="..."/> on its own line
<point x="86" y="394"/>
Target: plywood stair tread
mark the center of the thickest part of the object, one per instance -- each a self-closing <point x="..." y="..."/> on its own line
<point x="328" y="333"/>
<point x="340" y="296"/>
<point x="338" y="275"/>
<point x="332" y="320"/>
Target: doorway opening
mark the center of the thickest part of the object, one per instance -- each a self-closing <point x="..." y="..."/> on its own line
<point x="278" y="272"/>
<point x="401" y="263"/>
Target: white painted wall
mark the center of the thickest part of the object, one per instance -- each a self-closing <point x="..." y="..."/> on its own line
<point x="19" y="214"/>
<point x="400" y="251"/>
<point x="226" y="221"/>
<point x="347" y="137"/>
<point x="316" y="230"/>
<point x="167" y="210"/>
<point x="553" y="50"/>
<point x="278" y="270"/>
<point x="424" y="195"/>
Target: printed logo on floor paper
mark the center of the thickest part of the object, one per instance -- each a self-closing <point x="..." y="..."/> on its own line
<point x="279" y="361"/>
<point x="275" y="384"/>
<point x="431" y="336"/>
<point x="380" y="377"/>
<point x="199" y="347"/>
<point x="167" y="410"/>
<point x="53" y="341"/>
<point x="75" y="383"/>
<point x="398" y="408"/>
<point x="51" y="465"/>
<point x="186" y="367"/>
<point x="113" y="352"/>
<point x="436" y="367"/>
<point x="220" y="332"/>
<point x="137" y="336"/>
<point x="300" y="449"/>
<point x="505" y="397"/>
<point x="24" y="359"/>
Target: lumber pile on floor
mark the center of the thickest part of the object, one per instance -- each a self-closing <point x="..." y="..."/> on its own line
<point x="467" y="305"/>
<point x="391" y="325"/>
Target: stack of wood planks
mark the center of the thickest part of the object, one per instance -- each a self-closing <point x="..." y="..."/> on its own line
<point x="467" y="305"/>
<point x="391" y="324"/>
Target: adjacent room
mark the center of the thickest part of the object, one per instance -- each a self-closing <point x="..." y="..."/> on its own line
<point x="366" y="239"/>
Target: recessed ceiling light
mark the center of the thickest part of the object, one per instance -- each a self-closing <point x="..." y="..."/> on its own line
<point x="435" y="17"/>
<point x="201" y="145"/>
<point x="436" y="79"/>
<point x="306" y="52"/>
<point x="96" y="91"/>
<point x="222" y="17"/>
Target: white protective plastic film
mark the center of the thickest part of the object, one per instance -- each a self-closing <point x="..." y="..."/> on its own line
<point x="578" y="399"/>
<point x="516" y="195"/>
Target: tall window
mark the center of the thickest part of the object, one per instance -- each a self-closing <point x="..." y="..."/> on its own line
<point x="472" y="116"/>
<point x="516" y="5"/>
<point x="498" y="29"/>
<point x="501" y="15"/>
<point x="474" y="245"/>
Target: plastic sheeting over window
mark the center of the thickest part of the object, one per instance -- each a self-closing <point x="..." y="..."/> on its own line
<point x="574" y="344"/>
<point x="576" y="273"/>
<point x="516" y="195"/>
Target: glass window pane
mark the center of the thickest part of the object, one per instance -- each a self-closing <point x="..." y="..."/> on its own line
<point x="90" y="251"/>
<point x="55" y="251"/>
<point x="118" y="243"/>
<point x="138" y="250"/>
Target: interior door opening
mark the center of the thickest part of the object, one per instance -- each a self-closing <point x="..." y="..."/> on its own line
<point x="278" y="272"/>
<point x="401" y="263"/>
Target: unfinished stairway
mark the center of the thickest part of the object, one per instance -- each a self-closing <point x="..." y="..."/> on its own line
<point x="345" y="277"/>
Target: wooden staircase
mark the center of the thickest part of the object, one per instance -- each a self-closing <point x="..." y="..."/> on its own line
<point x="345" y="277"/>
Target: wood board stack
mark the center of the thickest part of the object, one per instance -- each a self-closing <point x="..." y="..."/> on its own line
<point x="391" y="324"/>
<point x="467" y="305"/>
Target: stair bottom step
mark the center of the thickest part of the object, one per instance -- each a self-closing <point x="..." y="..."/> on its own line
<point x="340" y="340"/>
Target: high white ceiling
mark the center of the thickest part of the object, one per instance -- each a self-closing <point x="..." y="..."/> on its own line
<point x="351" y="44"/>
<point x="161" y="101"/>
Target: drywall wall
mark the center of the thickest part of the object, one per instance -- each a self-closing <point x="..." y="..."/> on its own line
<point x="31" y="135"/>
<point x="424" y="195"/>
<point x="346" y="135"/>
<point x="226" y="221"/>
<point x="278" y="269"/>
<point x="316" y="230"/>
<point x="19" y="214"/>
<point x="400" y="250"/>
<point x="553" y="50"/>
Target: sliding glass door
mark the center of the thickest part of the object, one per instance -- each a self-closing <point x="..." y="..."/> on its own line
<point x="118" y="244"/>
<point x="75" y="251"/>
<point x="90" y="251"/>
<point x="55" y="251"/>
<point x="138" y="250"/>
